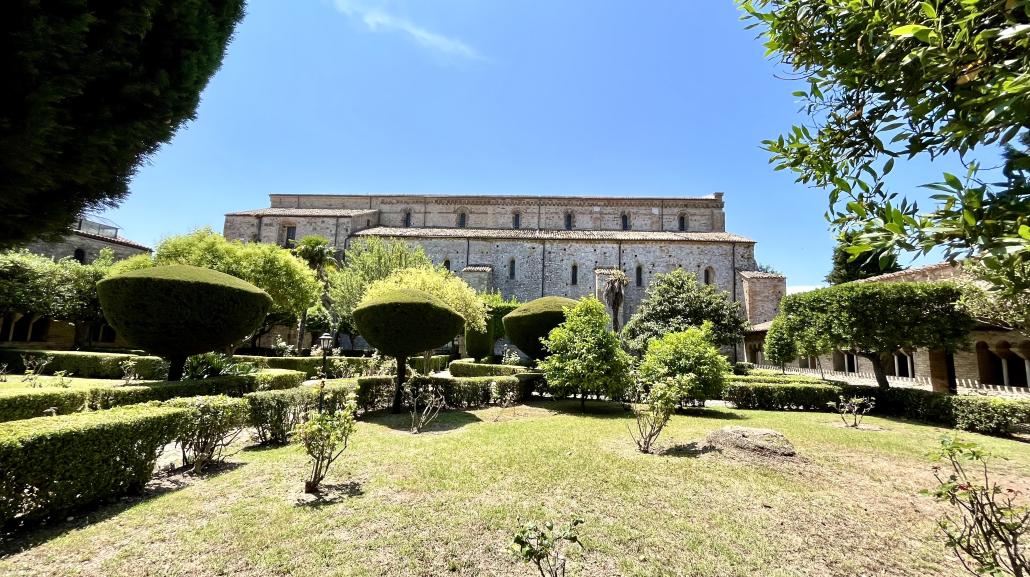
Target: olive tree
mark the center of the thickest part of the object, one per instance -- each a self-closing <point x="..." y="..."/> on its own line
<point x="585" y="355"/>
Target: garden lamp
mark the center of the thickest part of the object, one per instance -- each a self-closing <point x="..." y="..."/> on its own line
<point x="325" y="341"/>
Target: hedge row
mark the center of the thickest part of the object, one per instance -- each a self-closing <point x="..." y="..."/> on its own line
<point x="16" y="404"/>
<point x="469" y="368"/>
<point x="987" y="415"/>
<point x="776" y="379"/>
<point x="52" y="465"/>
<point x="311" y="366"/>
<point x="90" y="365"/>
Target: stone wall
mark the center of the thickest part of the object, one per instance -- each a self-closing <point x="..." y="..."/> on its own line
<point x="90" y="246"/>
<point x="762" y="295"/>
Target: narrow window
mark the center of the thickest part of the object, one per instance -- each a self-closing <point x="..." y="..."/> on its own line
<point x="640" y="275"/>
<point x="575" y="275"/>
<point x="568" y="221"/>
<point x="625" y="221"/>
<point x="447" y="264"/>
<point x="683" y="222"/>
<point x="511" y="269"/>
<point x="462" y="219"/>
<point x="290" y="236"/>
<point x="407" y="218"/>
<point x="516" y="220"/>
<point x="709" y="275"/>
<point x="80" y="255"/>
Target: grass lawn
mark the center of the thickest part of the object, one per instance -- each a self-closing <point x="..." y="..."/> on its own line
<point x="447" y="502"/>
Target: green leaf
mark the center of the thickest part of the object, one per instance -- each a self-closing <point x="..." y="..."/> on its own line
<point x="928" y="10"/>
<point x="922" y="33"/>
<point x="1024" y="231"/>
<point x="953" y="181"/>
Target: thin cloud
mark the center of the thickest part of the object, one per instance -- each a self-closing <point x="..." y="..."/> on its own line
<point x="377" y="20"/>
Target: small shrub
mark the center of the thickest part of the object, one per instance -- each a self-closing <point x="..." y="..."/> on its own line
<point x="690" y="352"/>
<point x="989" y="415"/>
<point x="510" y="356"/>
<point x="325" y="436"/>
<point x="275" y="414"/>
<point x="34" y="367"/>
<point x="853" y="407"/>
<point x="52" y="465"/>
<point x="988" y="526"/>
<point x="503" y="397"/>
<point x="212" y="423"/>
<point x="425" y="400"/>
<point x="545" y="547"/>
<point x="3" y="372"/>
<point x="661" y="402"/>
<point x="130" y="372"/>
<point x="281" y="348"/>
<point x="63" y="379"/>
<point x="742" y="369"/>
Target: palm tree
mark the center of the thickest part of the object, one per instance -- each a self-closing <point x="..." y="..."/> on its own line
<point x="319" y="256"/>
<point x="614" y="293"/>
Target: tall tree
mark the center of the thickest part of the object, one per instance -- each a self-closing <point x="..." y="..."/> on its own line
<point x="675" y="302"/>
<point x="614" y="294"/>
<point x="90" y="90"/>
<point x="900" y="79"/>
<point x="320" y="258"/>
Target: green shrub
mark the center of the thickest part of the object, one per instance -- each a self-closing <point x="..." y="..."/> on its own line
<point x="479" y="344"/>
<point x="778" y="379"/>
<point x="780" y="397"/>
<point x="467" y="392"/>
<point x="991" y="416"/>
<point x="743" y="369"/>
<point x="210" y="425"/>
<point x="87" y="365"/>
<point x="467" y="368"/>
<point x="274" y="414"/>
<point x="690" y="352"/>
<point x="53" y="465"/>
<point x="17" y="404"/>
<point x="338" y="367"/>
<point x="28" y="403"/>
<point x="177" y="311"/>
<point x="533" y="321"/>
<point x="206" y="365"/>
<point x="375" y="392"/>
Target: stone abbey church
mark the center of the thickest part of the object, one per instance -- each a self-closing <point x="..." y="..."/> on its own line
<point x="531" y="246"/>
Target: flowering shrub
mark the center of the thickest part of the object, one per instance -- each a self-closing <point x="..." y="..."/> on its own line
<point x="325" y="436"/>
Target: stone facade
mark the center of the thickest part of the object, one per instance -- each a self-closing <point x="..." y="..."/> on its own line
<point x="532" y="246"/>
<point x="85" y="241"/>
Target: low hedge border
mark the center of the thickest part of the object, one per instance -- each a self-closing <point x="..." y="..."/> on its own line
<point x="87" y="364"/>
<point x="274" y="414"/>
<point x="987" y="415"/>
<point x="468" y="368"/>
<point x="52" y="465"/>
<point x="778" y="379"/>
<point x="312" y="365"/>
<point x="16" y="404"/>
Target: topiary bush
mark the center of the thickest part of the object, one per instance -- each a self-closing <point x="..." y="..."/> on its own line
<point x="529" y="323"/>
<point x="467" y="368"/>
<point x="176" y="311"/>
<point x="405" y="322"/>
<point x="53" y="465"/>
<point x="479" y="344"/>
<point x="88" y="365"/>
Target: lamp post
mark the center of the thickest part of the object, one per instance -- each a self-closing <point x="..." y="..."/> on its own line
<point x="325" y="341"/>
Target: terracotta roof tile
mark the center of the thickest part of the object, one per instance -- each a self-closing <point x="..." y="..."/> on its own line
<point x="113" y="240"/>
<point x="760" y="274"/>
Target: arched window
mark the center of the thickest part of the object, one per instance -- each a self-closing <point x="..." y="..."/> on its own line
<point x="569" y="223"/>
<point x="462" y="219"/>
<point x="625" y="221"/>
<point x="407" y="218"/>
<point x="683" y="222"/>
<point x="516" y="220"/>
<point x="511" y="269"/>
<point x="575" y="275"/>
<point x="447" y="264"/>
<point x="80" y="255"/>
<point x="709" y="275"/>
<point x="640" y="275"/>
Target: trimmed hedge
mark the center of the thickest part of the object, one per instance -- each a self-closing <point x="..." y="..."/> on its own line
<point x="479" y="344"/>
<point x="987" y="415"/>
<point x="780" y="396"/>
<point x="405" y="322"/>
<point x="274" y="414"/>
<point x="53" y="465"/>
<point x="311" y="366"/>
<point x="529" y="323"/>
<point x="87" y="364"/>
<point x="28" y="403"/>
<point x="778" y="379"/>
<point x="465" y="392"/>
<point x="468" y="368"/>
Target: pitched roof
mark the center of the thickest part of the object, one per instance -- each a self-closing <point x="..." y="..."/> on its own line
<point x="113" y="240"/>
<point x="760" y="274"/>
<point x="917" y="272"/>
<point x="533" y="234"/>
<point x="329" y="212"/>
<point x="760" y="327"/>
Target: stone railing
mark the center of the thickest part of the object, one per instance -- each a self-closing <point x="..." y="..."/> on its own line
<point x="965" y="386"/>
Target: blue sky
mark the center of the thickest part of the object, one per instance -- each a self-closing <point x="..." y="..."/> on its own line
<point x="660" y="98"/>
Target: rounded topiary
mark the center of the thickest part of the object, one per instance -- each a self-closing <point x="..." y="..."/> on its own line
<point x="479" y="344"/>
<point x="177" y="311"/>
<point x="529" y="323"/>
<point x="404" y="322"/>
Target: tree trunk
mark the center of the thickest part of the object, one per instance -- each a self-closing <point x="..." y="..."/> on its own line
<point x="881" y="375"/>
<point x="82" y="333"/>
<point x="819" y="363"/>
<point x="300" y="330"/>
<point x="398" y="393"/>
<point x="176" y="366"/>
<point x="427" y="358"/>
<point x="582" y="402"/>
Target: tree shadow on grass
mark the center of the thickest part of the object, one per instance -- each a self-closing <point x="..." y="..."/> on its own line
<point x="447" y="420"/>
<point x="330" y="494"/>
<point x="14" y="539"/>
<point x="596" y="409"/>
<point x="709" y="413"/>
<point x="691" y="450"/>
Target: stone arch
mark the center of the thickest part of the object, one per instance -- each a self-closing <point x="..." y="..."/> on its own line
<point x="516" y="219"/>
<point x="682" y="222"/>
<point x="709" y="275"/>
<point x="988" y="365"/>
<point x="511" y="269"/>
<point x="407" y="218"/>
<point x="570" y="220"/>
<point x="574" y="275"/>
<point x="461" y="218"/>
<point x="79" y="255"/>
<point x="447" y="263"/>
<point x="624" y="220"/>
